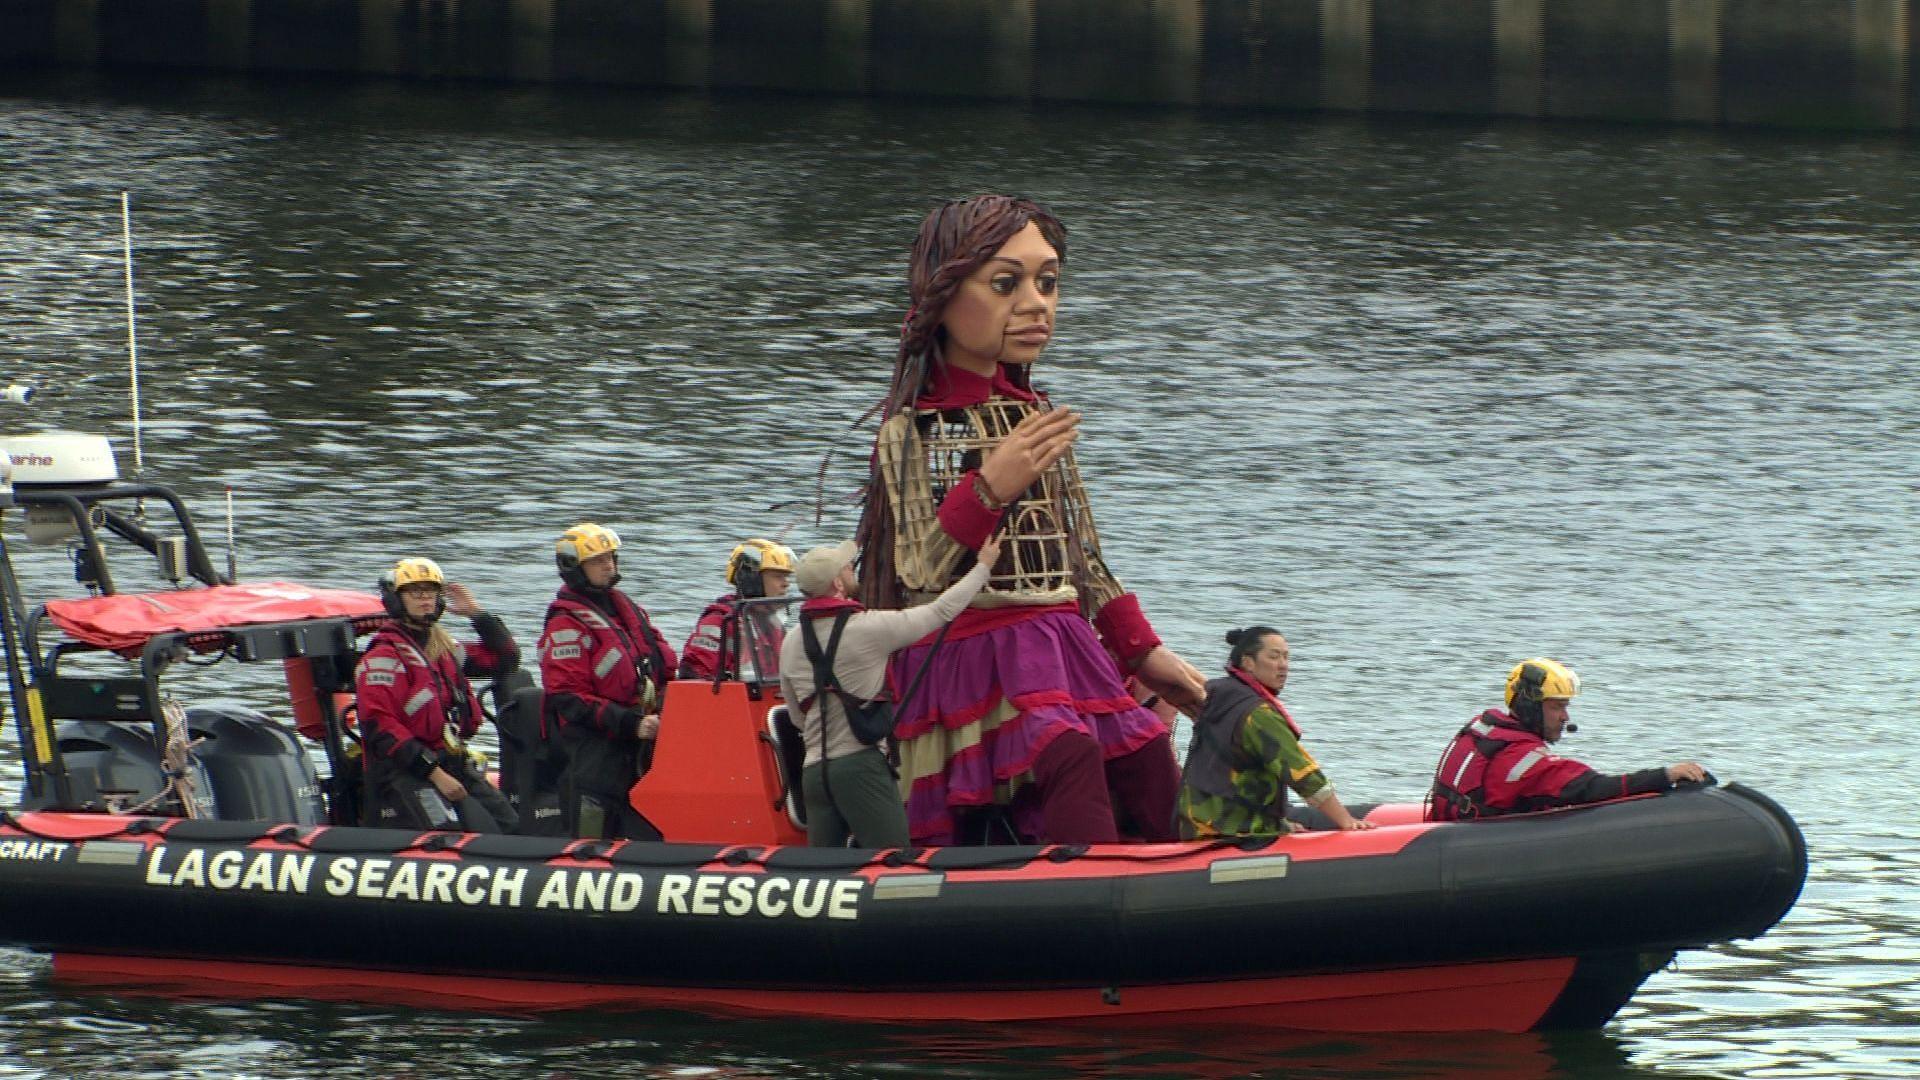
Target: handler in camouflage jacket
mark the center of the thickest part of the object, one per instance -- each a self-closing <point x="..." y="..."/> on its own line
<point x="1246" y="751"/>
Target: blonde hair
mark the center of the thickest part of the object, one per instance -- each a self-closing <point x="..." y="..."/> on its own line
<point x="439" y="643"/>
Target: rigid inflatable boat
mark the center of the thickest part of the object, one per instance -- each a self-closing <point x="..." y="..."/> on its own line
<point x="202" y="848"/>
<point x="1545" y="921"/>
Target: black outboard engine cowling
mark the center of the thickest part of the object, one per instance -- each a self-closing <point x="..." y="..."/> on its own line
<point x="258" y="767"/>
<point x="114" y="766"/>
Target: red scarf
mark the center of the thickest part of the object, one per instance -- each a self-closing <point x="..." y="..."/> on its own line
<point x="822" y="606"/>
<point x="952" y="388"/>
<point x="1260" y="688"/>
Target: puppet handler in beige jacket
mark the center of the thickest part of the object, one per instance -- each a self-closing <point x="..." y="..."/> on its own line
<point x="848" y="785"/>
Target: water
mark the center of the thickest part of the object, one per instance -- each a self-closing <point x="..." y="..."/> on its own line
<point x="1427" y="396"/>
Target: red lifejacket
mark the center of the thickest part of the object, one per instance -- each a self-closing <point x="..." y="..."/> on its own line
<point x="713" y="647"/>
<point x="1494" y="767"/>
<point x="592" y="665"/>
<point x="701" y="656"/>
<point x="406" y="702"/>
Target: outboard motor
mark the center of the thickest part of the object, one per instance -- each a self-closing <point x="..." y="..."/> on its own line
<point x="114" y="766"/>
<point x="259" y="769"/>
<point x="530" y="764"/>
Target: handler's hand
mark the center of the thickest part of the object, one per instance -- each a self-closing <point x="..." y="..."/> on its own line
<point x="989" y="553"/>
<point x="1031" y="448"/>
<point x="1687" y="772"/>
<point x="460" y="600"/>
<point x="449" y="788"/>
<point x="649" y="726"/>
<point x="1175" y="680"/>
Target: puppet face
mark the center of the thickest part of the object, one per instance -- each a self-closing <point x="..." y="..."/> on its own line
<point x="1003" y="313"/>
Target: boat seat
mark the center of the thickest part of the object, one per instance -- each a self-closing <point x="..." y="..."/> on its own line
<point x="500" y="846"/>
<point x="531" y="762"/>
<point x="790" y="752"/>
<point x="798" y="858"/>
<point x="983" y="858"/>
<point x="362" y="841"/>
<point x="223" y="831"/>
<point x="667" y="855"/>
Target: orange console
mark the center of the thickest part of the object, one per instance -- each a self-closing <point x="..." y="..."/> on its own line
<point x="715" y="777"/>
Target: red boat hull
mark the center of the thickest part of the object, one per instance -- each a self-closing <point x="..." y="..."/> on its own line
<point x="1510" y="996"/>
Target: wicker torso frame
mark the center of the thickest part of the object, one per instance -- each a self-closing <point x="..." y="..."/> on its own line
<point x="1053" y="551"/>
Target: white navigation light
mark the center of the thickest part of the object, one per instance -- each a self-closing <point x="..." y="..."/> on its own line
<point x="60" y="457"/>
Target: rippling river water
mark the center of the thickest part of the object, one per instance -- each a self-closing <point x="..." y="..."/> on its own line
<point x="1427" y="396"/>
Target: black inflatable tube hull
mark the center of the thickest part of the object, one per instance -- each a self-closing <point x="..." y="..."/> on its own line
<point x="1605" y="883"/>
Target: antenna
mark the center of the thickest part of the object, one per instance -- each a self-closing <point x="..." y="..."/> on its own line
<point x="133" y="343"/>
<point x="233" y="575"/>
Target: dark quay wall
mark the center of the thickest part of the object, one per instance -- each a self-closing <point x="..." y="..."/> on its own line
<point x="1813" y="63"/>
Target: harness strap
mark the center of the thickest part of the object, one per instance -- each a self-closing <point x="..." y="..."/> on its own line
<point x="823" y="680"/>
<point x="1470" y="803"/>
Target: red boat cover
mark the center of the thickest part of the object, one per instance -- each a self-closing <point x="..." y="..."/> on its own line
<point x="124" y="621"/>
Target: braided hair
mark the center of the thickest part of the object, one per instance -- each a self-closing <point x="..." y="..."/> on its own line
<point x="955" y="239"/>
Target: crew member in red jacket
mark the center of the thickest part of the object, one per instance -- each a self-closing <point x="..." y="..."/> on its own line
<point x="605" y="669"/>
<point x="1500" y="763"/>
<point x="756" y="569"/>
<point x="416" y="707"/>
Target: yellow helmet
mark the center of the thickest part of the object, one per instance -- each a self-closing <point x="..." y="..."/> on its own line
<point x="747" y="560"/>
<point x="583" y="542"/>
<point x="416" y="571"/>
<point x="1539" y="679"/>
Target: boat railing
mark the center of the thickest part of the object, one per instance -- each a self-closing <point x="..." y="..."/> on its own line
<point x="85" y="505"/>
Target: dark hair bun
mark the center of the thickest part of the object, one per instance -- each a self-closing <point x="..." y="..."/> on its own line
<point x="1234" y="636"/>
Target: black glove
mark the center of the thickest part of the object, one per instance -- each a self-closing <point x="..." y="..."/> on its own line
<point x="626" y="723"/>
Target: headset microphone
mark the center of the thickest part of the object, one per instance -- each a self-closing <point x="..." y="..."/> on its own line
<point x="1571" y="727"/>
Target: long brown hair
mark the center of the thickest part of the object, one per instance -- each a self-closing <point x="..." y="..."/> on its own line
<point x="954" y="240"/>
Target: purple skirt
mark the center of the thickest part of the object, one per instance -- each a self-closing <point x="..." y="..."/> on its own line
<point x="992" y="701"/>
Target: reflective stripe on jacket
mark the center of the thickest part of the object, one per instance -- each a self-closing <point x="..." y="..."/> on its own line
<point x="1494" y="766"/>
<point x="592" y="659"/>
<point x="712" y="650"/>
<point x="405" y="703"/>
<point x="701" y="657"/>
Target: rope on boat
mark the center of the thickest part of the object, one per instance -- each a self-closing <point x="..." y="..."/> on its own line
<point x="176" y="761"/>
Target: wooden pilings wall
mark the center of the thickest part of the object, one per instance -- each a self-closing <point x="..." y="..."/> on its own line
<point x="1823" y="63"/>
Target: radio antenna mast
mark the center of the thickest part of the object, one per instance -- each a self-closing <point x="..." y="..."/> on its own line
<point x="133" y="342"/>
